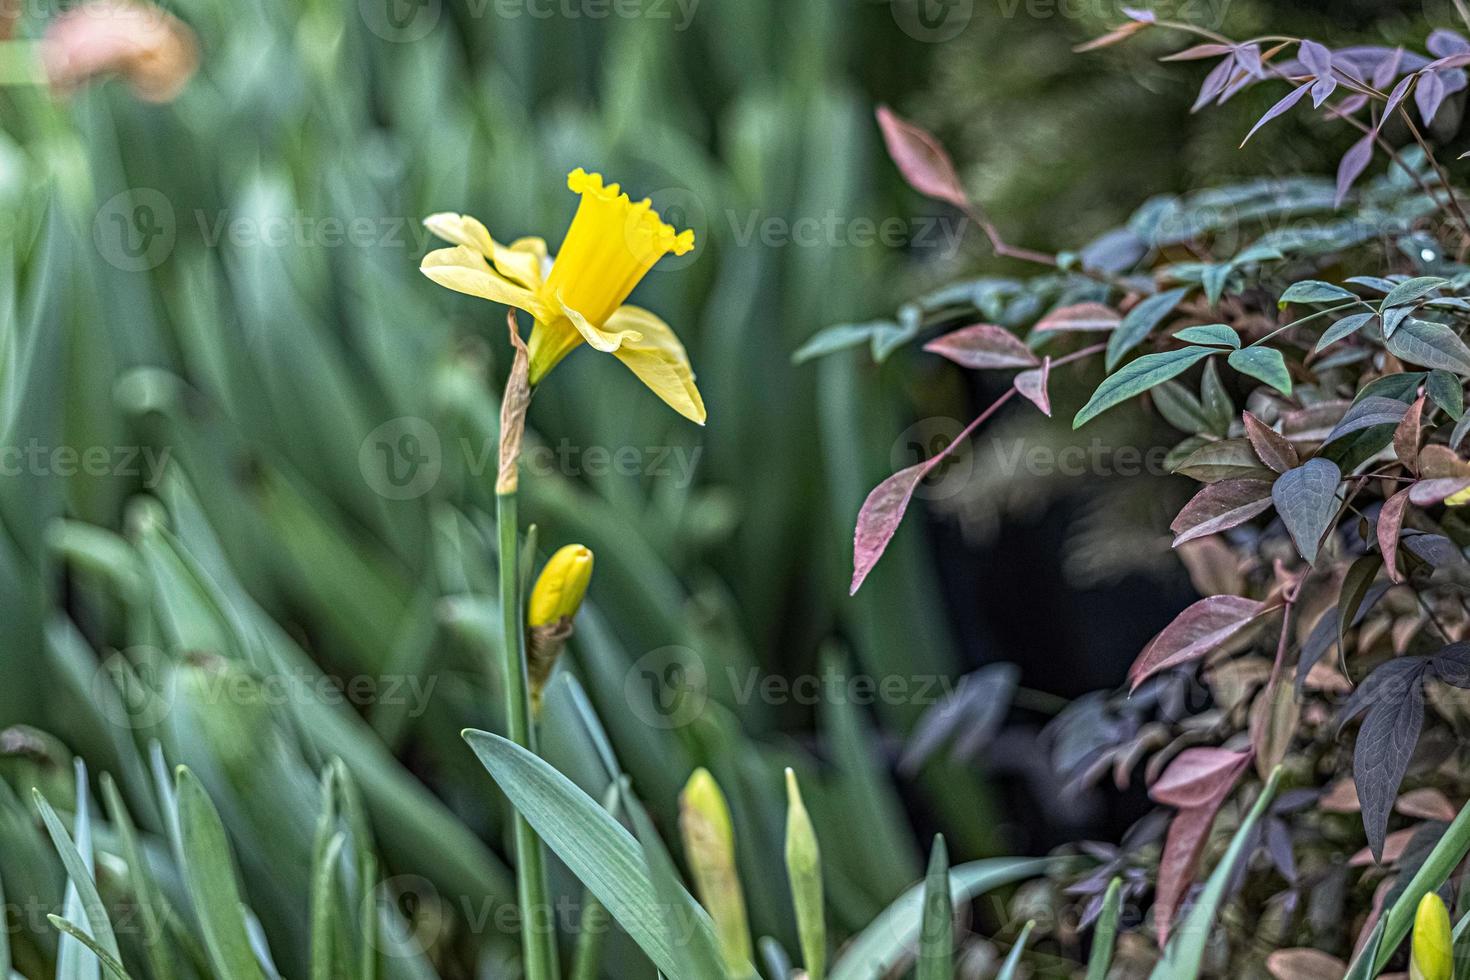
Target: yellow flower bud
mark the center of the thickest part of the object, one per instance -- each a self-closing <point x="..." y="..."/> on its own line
<point x="709" y="843"/>
<point x="1433" y="949"/>
<point x="561" y="586"/>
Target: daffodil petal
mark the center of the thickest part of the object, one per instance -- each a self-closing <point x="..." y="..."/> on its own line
<point x="601" y="338"/>
<point x="524" y="260"/>
<point x="658" y="359"/>
<point x="465" y="271"/>
<point x="461" y="229"/>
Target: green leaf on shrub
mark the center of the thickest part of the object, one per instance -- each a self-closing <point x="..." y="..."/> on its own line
<point x="1140" y="322"/>
<point x="1219" y="334"/>
<point x="1412" y="289"/>
<point x="1429" y="344"/>
<point x="1306" y="499"/>
<point x="1445" y="391"/>
<point x="1138" y="376"/>
<point x="1314" y="291"/>
<point x="1264" y="364"/>
<point x="1345" y="327"/>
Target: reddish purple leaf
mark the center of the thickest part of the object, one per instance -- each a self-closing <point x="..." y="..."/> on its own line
<point x="1112" y="37"/>
<point x="1198" y="52"/>
<point x="1286" y="103"/>
<point x="1080" y="316"/>
<point x="1198" y="781"/>
<point x="921" y="159"/>
<point x="1316" y="57"/>
<point x="1444" y="43"/>
<point x="1406" y="436"/>
<point x="1302" y="963"/>
<point x="1200" y="629"/>
<point x="1273" y="448"/>
<point x="1384" y="746"/>
<point x="1351" y="166"/>
<point x="1390" y="522"/>
<point x="1388" y="69"/>
<point x="983" y="345"/>
<point x="1427" y="493"/>
<point x="1396" y="96"/>
<point x="1248" y="56"/>
<point x="1199" y="777"/>
<point x="1429" y="95"/>
<point x="1033" y="385"/>
<point x="1219" y="507"/>
<point x="1214" y="83"/>
<point x="880" y="517"/>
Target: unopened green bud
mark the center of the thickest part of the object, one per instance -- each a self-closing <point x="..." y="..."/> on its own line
<point x="804" y="868"/>
<point x="1432" y="956"/>
<point x="33" y="759"/>
<point x="709" y="843"/>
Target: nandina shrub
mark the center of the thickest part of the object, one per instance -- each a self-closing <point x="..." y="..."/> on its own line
<point x="1303" y="336"/>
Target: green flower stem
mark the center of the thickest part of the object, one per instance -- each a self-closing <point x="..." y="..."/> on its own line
<point x="538" y="933"/>
<point x="595" y="924"/>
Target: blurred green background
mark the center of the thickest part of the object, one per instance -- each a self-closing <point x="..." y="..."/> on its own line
<point x="214" y="304"/>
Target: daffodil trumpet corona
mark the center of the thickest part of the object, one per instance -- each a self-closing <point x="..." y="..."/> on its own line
<point x="580" y="297"/>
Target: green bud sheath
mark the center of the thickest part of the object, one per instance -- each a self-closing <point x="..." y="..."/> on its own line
<point x="709" y="844"/>
<point x="804" y="868"/>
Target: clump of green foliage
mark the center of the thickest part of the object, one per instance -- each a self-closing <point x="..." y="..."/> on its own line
<point x="1297" y="726"/>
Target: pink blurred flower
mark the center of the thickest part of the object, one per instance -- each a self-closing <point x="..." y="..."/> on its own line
<point x="151" y="49"/>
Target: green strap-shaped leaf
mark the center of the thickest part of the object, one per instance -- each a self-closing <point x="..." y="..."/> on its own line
<point x="1106" y="933"/>
<point x="936" y="937"/>
<point x="603" y="855"/>
<point x="144" y="888"/>
<point x="108" y="961"/>
<point x="1186" y="950"/>
<point x="209" y="874"/>
<point x="1013" y="958"/>
<point x="890" y="937"/>
<point x="78" y="867"/>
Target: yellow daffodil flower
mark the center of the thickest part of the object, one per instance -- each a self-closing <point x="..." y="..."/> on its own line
<point x="579" y="298"/>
